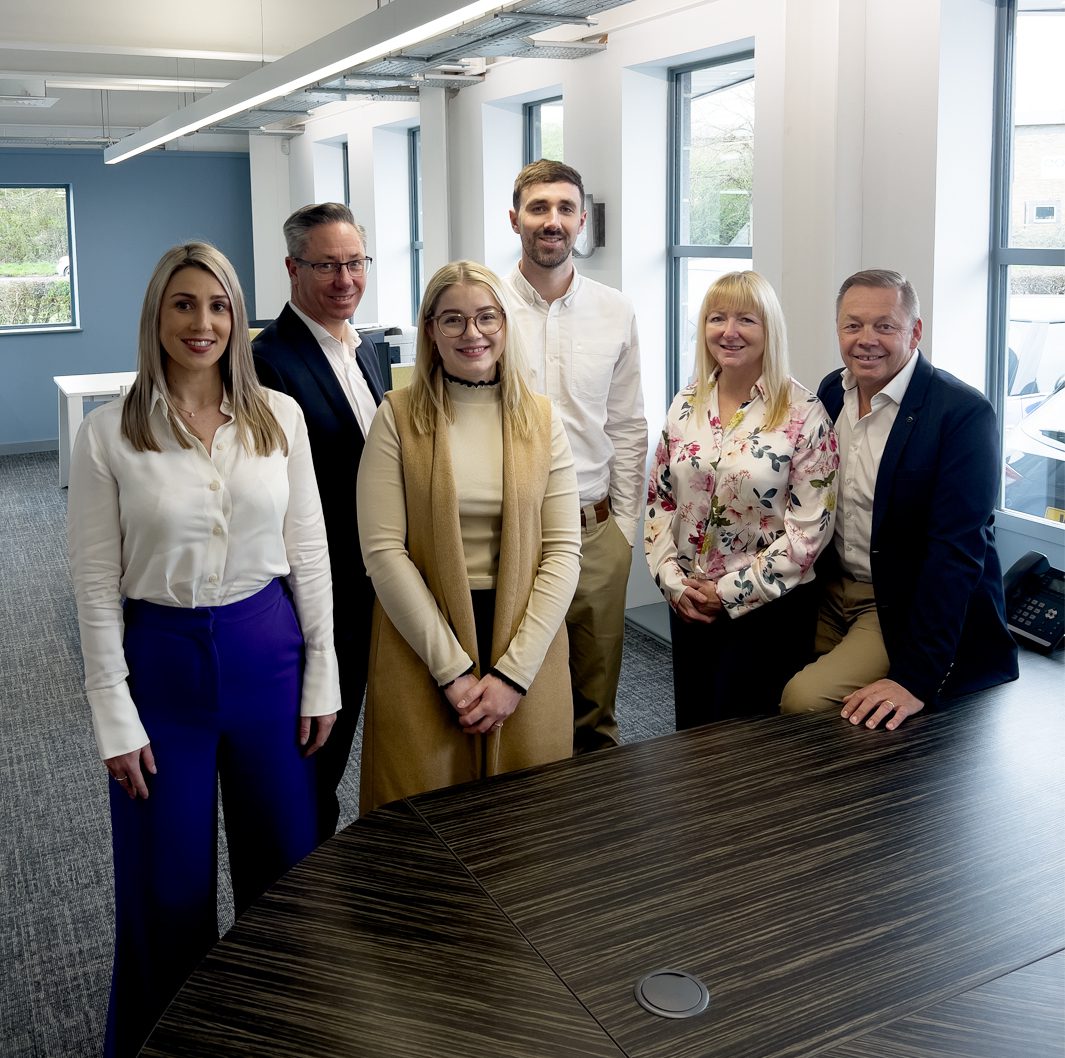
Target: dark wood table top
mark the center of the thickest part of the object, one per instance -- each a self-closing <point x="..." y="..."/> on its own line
<point x="840" y="892"/>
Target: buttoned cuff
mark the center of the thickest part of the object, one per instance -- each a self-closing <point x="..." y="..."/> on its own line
<point x="115" y="721"/>
<point x="627" y="527"/>
<point x="321" y="683"/>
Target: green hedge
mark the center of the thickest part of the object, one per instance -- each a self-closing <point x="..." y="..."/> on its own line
<point x="38" y="301"/>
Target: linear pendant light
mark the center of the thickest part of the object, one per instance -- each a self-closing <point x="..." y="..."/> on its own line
<point x="400" y="24"/>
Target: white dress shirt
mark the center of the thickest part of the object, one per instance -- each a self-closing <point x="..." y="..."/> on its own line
<point x="341" y="357"/>
<point x="584" y="353"/>
<point x="861" y="446"/>
<point x="184" y="527"/>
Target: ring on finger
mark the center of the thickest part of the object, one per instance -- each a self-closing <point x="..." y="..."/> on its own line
<point x="889" y="703"/>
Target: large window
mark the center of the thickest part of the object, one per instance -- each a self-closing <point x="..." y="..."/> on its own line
<point x="417" y="245"/>
<point x="36" y="258"/>
<point x="711" y="178"/>
<point x="543" y="130"/>
<point x="1028" y="257"/>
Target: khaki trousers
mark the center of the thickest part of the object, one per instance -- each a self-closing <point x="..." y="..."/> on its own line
<point x="596" y="626"/>
<point x="850" y="647"/>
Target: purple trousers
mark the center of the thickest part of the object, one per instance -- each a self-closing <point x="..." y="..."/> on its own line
<point x="218" y="691"/>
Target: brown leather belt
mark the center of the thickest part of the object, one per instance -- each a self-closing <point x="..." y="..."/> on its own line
<point x="598" y="511"/>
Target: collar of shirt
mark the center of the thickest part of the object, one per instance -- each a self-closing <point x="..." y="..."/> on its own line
<point x="157" y="398"/>
<point x="352" y="338"/>
<point x="529" y="293"/>
<point x="757" y="390"/>
<point x="895" y="390"/>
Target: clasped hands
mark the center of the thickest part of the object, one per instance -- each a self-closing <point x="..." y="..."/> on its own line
<point x="700" y="601"/>
<point x="482" y="704"/>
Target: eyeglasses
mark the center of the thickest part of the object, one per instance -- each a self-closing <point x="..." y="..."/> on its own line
<point x="328" y="269"/>
<point x="453" y="324"/>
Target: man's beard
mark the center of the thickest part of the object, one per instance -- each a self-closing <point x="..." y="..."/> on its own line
<point x="547" y="257"/>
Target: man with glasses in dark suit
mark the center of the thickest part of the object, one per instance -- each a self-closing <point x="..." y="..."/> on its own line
<point x="312" y="353"/>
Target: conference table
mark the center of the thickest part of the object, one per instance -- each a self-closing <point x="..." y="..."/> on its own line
<point x="839" y="892"/>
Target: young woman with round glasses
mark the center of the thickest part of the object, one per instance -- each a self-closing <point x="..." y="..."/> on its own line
<point x="468" y="517"/>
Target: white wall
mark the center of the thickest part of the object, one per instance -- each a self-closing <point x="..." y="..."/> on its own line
<point x="872" y="146"/>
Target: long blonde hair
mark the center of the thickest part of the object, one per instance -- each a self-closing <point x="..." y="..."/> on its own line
<point x="258" y="429"/>
<point x="748" y="292"/>
<point x="428" y="395"/>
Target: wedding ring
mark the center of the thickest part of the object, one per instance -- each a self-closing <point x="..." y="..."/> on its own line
<point x="497" y="727"/>
<point x="121" y="778"/>
<point x="889" y="703"/>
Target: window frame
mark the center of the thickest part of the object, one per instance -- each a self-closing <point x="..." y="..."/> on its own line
<point x="676" y="251"/>
<point x="417" y="243"/>
<point x="74" y="323"/>
<point x="1001" y="255"/>
<point x="532" y="130"/>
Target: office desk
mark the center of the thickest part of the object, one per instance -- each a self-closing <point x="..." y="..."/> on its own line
<point x="74" y="390"/>
<point x="841" y="892"/>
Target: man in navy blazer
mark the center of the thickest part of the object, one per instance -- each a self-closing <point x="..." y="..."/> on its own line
<point x="912" y="603"/>
<point x="312" y="353"/>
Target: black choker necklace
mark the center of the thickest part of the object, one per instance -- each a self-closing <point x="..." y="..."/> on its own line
<point x="471" y="385"/>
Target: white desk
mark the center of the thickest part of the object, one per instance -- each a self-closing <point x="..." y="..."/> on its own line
<point x="74" y="390"/>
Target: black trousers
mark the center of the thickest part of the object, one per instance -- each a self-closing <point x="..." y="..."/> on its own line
<point x="738" y="666"/>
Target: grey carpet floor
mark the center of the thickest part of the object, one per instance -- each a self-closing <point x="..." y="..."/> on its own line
<point x="56" y="917"/>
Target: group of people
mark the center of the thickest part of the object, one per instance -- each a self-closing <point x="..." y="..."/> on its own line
<point x="259" y="534"/>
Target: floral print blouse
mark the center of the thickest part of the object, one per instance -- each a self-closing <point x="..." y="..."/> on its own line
<point x="749" y="507"/>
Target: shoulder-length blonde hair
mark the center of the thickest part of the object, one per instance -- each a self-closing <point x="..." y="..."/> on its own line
<point x="257" y="427"/>
<point x="748" y="292"/>
<point x="428" y="394"/>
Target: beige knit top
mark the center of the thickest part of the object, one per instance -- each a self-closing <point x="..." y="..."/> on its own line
<point x="476" y="442"/>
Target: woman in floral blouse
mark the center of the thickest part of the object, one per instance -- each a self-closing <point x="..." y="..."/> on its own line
<point x="741" y="502"/>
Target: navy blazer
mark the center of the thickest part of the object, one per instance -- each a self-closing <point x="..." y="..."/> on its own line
<point x="936" y="573"/>
<point x="288" y="358"/>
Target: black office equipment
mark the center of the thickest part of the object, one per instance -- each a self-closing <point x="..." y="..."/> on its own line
<point x="1035" y="602"/>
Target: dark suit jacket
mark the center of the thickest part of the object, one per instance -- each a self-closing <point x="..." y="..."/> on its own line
<point x="288" y="358"/>
<point x="936" y="573"/>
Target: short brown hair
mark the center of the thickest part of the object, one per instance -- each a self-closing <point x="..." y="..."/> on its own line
<point x="885" y="279"/>
<point x="307" y="218"/>
<point x="546" y="171"/>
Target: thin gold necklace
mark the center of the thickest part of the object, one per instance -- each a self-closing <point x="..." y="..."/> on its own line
<point x="192" y="414"/>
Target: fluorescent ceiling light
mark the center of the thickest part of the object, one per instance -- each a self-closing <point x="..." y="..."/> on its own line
<point x="390" y="28"/>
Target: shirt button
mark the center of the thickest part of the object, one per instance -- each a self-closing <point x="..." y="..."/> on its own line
<point x="217" y="530"/>
<point x="213" y="578"/>
<point x="215" y="486"/>
<point x="220" y="446"/>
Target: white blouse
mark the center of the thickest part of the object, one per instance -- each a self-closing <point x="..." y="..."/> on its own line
<point x="184" y="527"/>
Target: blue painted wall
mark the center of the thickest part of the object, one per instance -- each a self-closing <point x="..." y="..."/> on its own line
<point x="125" y="217"/>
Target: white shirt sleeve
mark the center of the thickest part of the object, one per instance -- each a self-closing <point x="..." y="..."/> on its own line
<point x="95" y="548"/>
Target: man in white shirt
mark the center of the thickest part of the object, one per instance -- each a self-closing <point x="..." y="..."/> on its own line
<point x="912" y="605"/>
<point x="312" y="353"/>
<point x="584" y="353"/>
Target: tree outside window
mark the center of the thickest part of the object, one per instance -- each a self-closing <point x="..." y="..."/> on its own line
<point x="36" y="258"/>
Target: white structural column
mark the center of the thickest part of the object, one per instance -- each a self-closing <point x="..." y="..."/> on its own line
<point x="268" y="160"/>
<point x="436" y="182"/>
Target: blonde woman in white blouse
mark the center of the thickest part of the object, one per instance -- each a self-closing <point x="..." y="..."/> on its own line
<point x="741" y="501"/>
<point x="201" y="574"/>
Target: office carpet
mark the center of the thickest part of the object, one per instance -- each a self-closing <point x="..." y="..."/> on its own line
<point x="56" y="914"/>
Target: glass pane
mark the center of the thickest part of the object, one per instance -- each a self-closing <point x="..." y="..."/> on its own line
<point x="551" y="131"/>
<point x="1034" y="439"/>
<point x="1037" y="197"/>
<point x="35" y="257"/>
<point x="717" y="160"/>
<point x="696" y="275"/>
